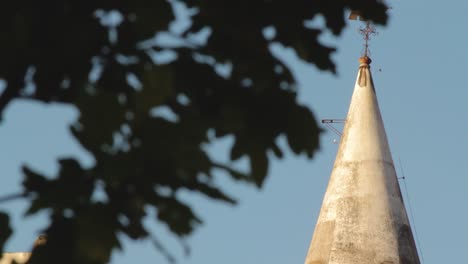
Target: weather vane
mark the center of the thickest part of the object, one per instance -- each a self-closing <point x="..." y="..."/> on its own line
<point x="367" y="32"/>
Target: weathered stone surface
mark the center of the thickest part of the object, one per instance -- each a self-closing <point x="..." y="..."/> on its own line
<point x="363" y="218"/>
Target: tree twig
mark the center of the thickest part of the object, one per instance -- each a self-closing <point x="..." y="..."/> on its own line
<point x="11" y="197"/>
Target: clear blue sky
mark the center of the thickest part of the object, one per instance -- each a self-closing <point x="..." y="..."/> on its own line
<point x="420" y="64"/>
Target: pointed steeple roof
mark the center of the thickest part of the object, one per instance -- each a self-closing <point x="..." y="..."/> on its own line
<point x="363" y="218"/>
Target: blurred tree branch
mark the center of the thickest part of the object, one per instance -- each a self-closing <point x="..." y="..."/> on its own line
<point x="89" y="54"/>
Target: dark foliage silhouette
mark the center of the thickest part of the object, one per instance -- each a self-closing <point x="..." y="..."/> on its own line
<point x="97" y="56"/>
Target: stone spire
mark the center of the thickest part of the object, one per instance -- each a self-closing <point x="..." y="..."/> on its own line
<point x="363" y="219"/>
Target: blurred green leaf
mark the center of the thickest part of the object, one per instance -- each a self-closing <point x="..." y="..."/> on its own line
<point x="5" y="228"/>
<point x="70" y="190"/>
<point x="174" y="213"/>
<point x="97" y="219"/>
<point x="259" y="165"/>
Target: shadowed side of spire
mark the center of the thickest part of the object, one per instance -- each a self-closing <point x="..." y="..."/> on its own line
<point x="363" y="218"/>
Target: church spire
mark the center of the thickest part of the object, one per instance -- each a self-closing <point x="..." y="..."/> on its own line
<point x="363" y="217"/>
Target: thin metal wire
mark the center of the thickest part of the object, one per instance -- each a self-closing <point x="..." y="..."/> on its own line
<point x="336" y="131"/>
<point x="412" y="219"/>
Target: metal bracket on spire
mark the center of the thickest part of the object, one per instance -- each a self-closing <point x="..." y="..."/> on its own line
<point x="329" y="124"/>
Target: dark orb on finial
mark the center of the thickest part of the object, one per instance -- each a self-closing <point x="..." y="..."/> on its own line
<point x="365" y="60"/>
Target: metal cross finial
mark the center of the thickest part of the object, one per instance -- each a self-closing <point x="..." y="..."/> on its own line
<point x="367" y="32"/>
